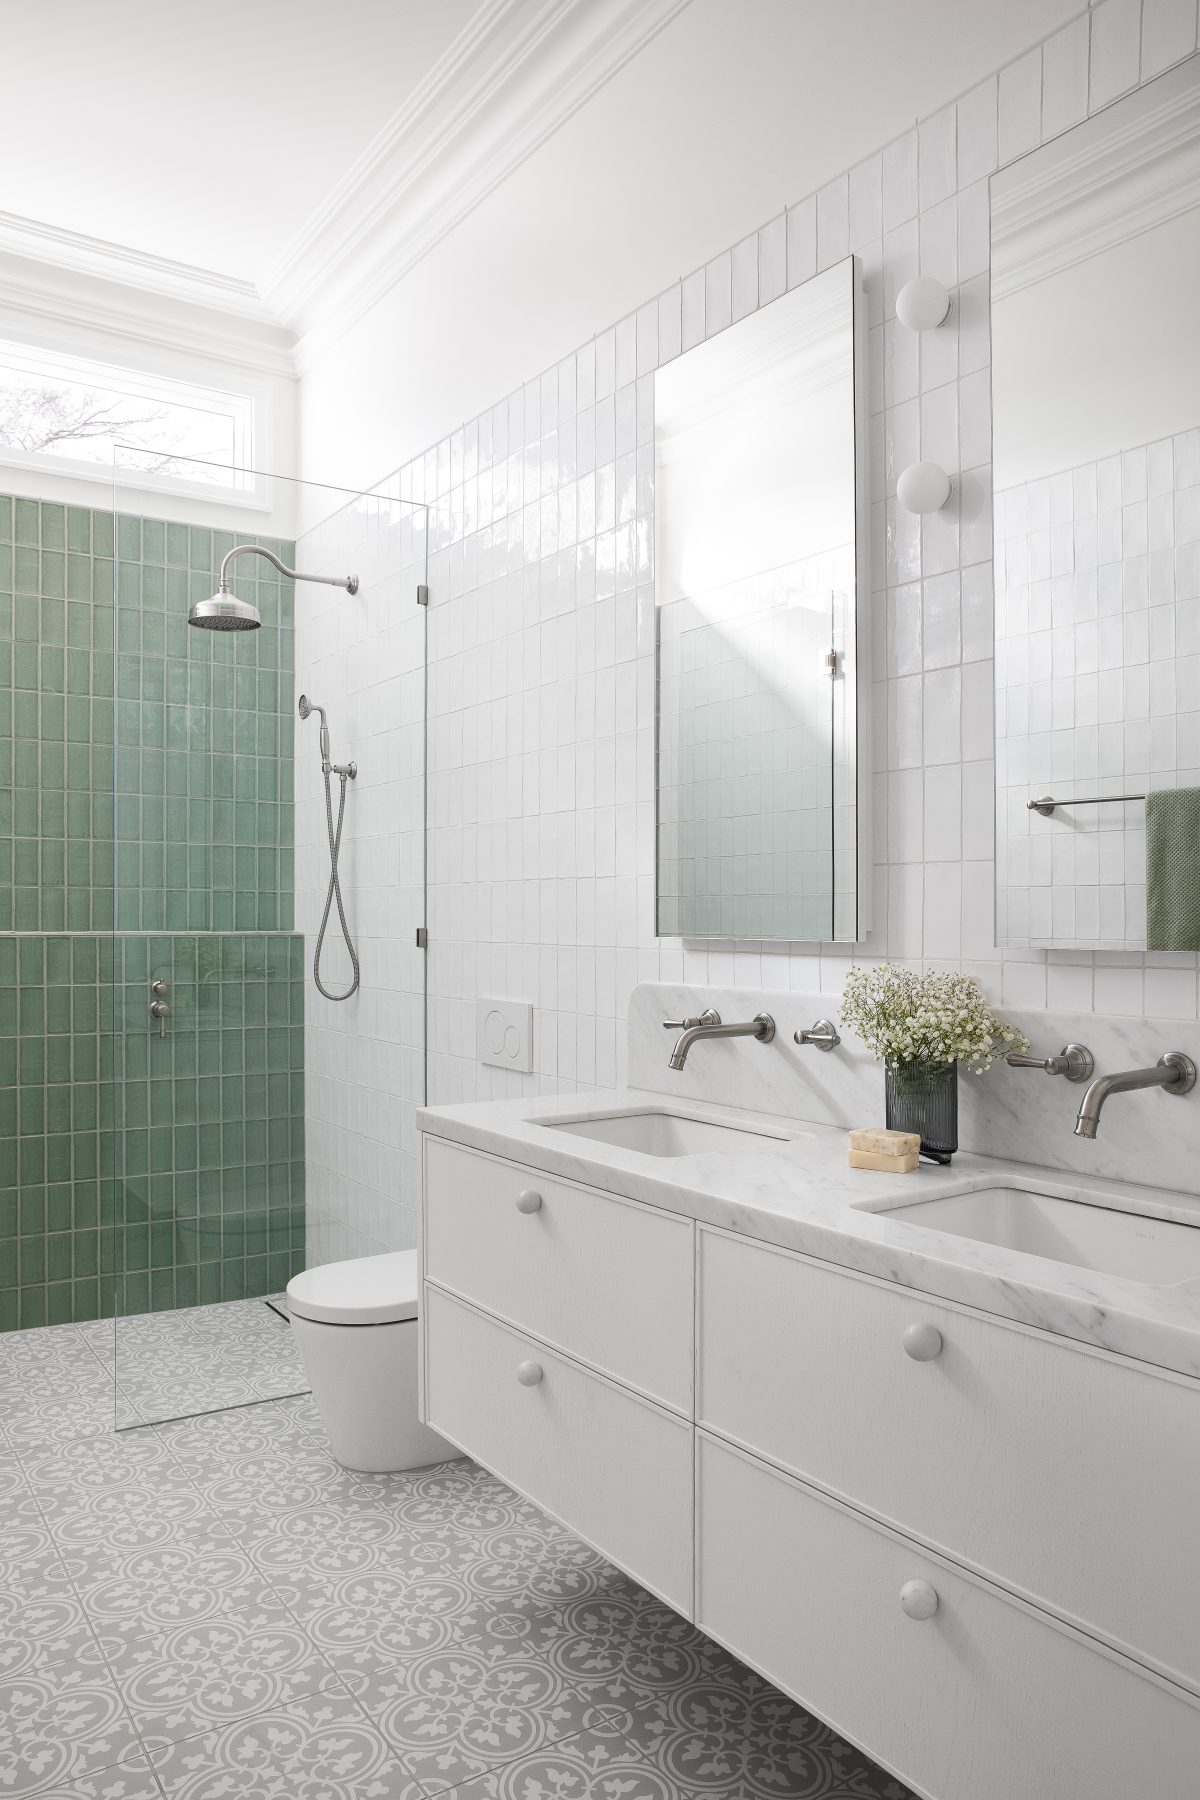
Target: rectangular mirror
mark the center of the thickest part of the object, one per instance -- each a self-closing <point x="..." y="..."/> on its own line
<point x="1096" y="469"/>
<point x="760" y="586"/>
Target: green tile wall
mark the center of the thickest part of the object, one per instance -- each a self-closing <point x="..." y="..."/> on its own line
<point x="137" y="1174"/>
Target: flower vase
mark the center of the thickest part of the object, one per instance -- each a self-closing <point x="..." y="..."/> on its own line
<point x="923" y="1097"/>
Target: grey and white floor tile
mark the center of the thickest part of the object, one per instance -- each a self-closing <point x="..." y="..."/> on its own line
<point x="212" y="1606"/>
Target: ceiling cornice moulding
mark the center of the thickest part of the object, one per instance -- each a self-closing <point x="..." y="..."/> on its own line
<point x="517" y="72"/>
<point x="76" y="302"/>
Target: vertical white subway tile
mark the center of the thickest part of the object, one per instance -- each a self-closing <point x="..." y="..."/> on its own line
<point x="937" y="157"/>
<point x="718" y="294"/>
<point x="900" y="194"/>
<point x="1168" y="34"/>
<point x="833" y="223"/>
<point x="1020" y="107"/>
<point x="977" y="133"/>
<point x="866" y="202"/>
<point x="1116" y="50"/>
<point x="693" y="309"/>
<point x="670" y="323"/>
<point x="802" y="242"/>
<point x="1065" y="77"/>
<point x="772" y="260"/>
<point x="745" y="277"/>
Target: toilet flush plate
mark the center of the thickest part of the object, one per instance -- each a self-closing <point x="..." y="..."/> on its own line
<point x="505" y="1033"/>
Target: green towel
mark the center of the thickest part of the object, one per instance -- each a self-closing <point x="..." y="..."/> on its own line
<point x="1173" y="869"/>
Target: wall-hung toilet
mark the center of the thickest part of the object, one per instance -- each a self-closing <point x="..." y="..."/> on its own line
<point x="356" y="1323"/>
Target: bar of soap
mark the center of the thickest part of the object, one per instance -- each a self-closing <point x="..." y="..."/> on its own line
<point x="903" y="1164"/>
<point x="884" y="1143"/>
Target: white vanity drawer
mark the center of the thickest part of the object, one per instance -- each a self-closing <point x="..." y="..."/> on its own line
<point x="610" y="1466"/>
<point x="606" y="1280"/>
<point x="984" y="1700"/>
<point x="1068" y="1475"/>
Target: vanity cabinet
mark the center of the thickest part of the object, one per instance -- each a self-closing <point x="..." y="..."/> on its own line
<point x="610" y="1465"/>
<point x="1070" y="1475"/>
<point x="967" y="1544"/>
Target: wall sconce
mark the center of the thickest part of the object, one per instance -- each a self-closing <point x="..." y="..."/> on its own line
<point x="922" y="304"/>
<point x="923" y="487"/>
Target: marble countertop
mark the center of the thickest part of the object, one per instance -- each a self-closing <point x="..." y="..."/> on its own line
<point x="794" y="1187"/>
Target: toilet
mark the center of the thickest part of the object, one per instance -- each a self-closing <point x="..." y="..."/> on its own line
<point x="356" y="1323"/>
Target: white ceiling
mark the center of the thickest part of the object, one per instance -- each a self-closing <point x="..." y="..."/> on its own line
<point x="203" y="134"/>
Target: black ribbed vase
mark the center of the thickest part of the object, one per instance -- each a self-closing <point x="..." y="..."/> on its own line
<point x="923" y="1097"/>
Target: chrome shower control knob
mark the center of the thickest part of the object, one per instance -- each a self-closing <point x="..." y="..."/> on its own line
<point x="922" y="1342"/>
<point x="918" y="1599"/>
<point x="529" y="1373"/>
<point x="529" y="1201"/>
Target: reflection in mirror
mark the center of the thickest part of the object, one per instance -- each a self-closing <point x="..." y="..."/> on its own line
<point x="757" y="581"/>
<point x="1096" y="464"/>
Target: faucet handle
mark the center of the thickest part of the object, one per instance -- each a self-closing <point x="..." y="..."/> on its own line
<point x="823" y="1035"/>
<point x="1075" y="1061"/>
<point x="707" y="1017"/>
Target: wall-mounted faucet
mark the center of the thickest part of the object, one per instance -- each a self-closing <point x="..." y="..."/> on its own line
<point x="1075" y="1061"/>
<point x="824" y="1035"/>
<point x="1174" y="1073"/>
<point x="709" y="1025"/>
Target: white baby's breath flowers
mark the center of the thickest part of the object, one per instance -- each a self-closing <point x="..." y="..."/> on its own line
<point x="932" y="1018"/>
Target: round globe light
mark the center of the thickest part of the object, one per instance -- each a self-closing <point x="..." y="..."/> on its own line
<point x="923" y="487"/>
<point x="922" y="303"/>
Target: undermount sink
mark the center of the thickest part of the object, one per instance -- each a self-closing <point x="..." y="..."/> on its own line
<point x="656" y="1133"/>
<point x="1132" y="1244"/>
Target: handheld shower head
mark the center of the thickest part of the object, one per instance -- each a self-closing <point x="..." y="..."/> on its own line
<point x="305" y="706"/>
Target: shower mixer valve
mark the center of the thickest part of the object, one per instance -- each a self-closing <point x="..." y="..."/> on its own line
<point x="158" y="1006"/>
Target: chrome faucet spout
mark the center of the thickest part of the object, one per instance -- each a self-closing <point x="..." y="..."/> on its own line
<point x="1174" y="1072"/>
<point x="761" y="1026"/>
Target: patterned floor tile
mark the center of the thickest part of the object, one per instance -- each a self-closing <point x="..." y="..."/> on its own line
<point x="125" y="1782"/>
<point x="454" y="1714"/>
<point x="371" y="1622"/>
<point x="735" y="1737"/>
<point x="129" y="1598"/>
<point x="318" y="1748"/>
<point x="282" y="1629"/>
<point x="64" y="1721"/>
<point x="183" y="1683"/>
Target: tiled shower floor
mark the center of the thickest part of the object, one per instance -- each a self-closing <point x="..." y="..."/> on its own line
<point x="212" y="1609"/>
<point x="56" y="1382"/>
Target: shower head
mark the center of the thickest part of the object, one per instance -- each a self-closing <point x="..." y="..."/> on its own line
<point x="304" y="707"/>
<point x="223" y="611"/>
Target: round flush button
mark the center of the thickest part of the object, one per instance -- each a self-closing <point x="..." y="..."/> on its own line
<point x="493" y="1032"/>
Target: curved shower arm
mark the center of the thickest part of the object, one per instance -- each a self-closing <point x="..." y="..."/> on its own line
<point x="349" y="582"/>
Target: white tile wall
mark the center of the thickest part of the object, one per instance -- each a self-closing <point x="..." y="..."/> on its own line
<point x="541" y="793"/>
<point x="1098" y="685"/>
<point x="363" y="658"/>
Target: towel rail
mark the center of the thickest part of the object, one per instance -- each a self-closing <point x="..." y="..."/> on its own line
<point x="1047" y="804"/>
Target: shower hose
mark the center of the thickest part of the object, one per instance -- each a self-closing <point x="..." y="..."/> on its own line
<point x="335" y="891"/>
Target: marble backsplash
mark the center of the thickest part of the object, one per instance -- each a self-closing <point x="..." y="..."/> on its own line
<point x="1147" y="1137"/>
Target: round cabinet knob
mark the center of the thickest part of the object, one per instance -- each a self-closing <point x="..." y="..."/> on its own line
<point x="922" y="1342"/>
<point x="529" y="1373"/>
<point x="918" y="1599"/>
<point x="529" y="1201"/>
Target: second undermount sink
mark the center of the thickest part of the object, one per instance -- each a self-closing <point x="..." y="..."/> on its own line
<point x="658" y="1133"/>
<point x="1115" y="1242"/>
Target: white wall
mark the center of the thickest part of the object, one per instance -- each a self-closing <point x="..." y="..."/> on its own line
<point x="729" y="114"/>
<point x="541" y="640"/>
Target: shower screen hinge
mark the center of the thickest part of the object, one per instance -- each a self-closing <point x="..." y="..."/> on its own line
<point x="422" y="595"/>
<point x="831" y="662"/>
<point x="422" y="937"/>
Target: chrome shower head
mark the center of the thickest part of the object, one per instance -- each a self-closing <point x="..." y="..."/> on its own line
<point x="223" y="611"/>
<point x="304" y="707"/>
